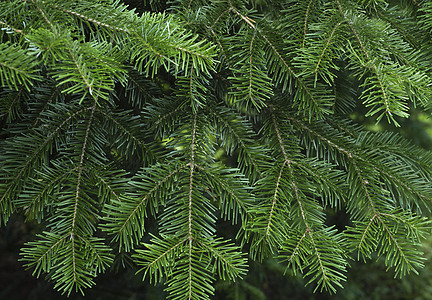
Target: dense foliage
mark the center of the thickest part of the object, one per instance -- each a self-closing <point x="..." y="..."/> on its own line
<point x="139" y="136"/>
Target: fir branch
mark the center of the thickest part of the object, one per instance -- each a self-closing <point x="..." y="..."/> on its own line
<point x="221" y="47"/>
<point x="110" y="188"/>
<point x="34" y="206"/>
<point x="297" y="248"/>
<point x="9" y="109"/>
<point x="125" y="131"/>
<point x="229" y="188"/>
<point x="285" y="162"/>
<point x="407" y="36"/>
<point x="37" y="153"/>
<point x="326" y="46"/>
<point x="191" y="176"/>
<point x="401" y="183"/>
<point x="229" y="262"/>
<point x="363" y="183"/>
<point x="80" y="167"/>
<point x="139" y="86"/>
<point x="186" y="145"/>
<point x="315" y="107"/>
<point x="126" y="221"/>
<point x="274" y="198"/>
<point x="278" y="135"/>
<point x="339" y="148"/>
<point x="43" y="263"/>
<point x="14" y="29"/>
<point x="247" y="148"/>
<point x="43" y="14"/>
<point x="306" y="22"/>
<point x="157" y="260"/>
<point x="74" y="267"/>
<point x="80" y="71"/>
<point x="375" y="68"/>
<point x="17" y="66"/>
<point x="53" y="95"/>
<point x="90" y="20"/>
<point x="354" y="156"/>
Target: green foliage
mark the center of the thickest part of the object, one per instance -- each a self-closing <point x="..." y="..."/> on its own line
<point x="137" y="134"/>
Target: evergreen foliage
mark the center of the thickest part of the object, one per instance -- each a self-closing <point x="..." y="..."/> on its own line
<point x="138" y="132"/>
